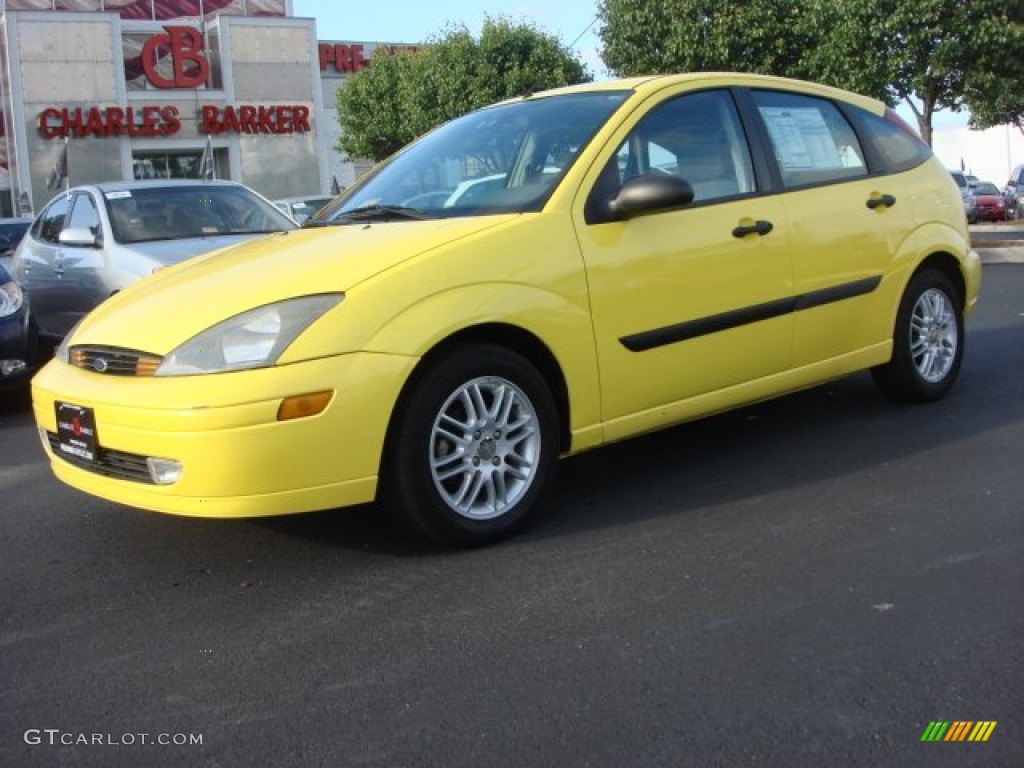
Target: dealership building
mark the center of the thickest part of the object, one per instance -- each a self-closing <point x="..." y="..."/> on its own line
<point x="123" y="89"/>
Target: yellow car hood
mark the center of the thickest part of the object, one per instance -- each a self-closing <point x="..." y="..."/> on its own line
<point x="157" y="314"/>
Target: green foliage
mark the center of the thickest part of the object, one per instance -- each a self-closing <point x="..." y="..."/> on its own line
<point x="403" y="95"/>
<point x="660" y="36"/>
<point x="995" y="88"/>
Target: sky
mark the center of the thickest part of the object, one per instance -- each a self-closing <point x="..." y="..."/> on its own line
<point x="573" y="23"/>
<point x="413" y="21"/>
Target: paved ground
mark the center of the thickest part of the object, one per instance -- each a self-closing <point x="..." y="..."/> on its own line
<point x="807" y="582"/>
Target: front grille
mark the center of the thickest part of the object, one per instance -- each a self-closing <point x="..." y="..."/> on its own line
<point x="111" y="463"/>
<point x="114" y="361"/>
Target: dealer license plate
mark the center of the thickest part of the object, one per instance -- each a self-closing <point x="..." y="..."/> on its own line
<point x="76" y="431"/>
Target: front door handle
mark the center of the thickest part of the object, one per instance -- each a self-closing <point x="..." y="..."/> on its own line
<point x="759" y="227"/>
<point x="878" y="201"/>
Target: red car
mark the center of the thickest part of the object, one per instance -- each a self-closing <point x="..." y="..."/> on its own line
<point x="989" y="204"/>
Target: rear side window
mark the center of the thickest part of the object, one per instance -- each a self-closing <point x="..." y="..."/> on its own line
<point x="893" y="147"/>
<point x="813" y="142"/>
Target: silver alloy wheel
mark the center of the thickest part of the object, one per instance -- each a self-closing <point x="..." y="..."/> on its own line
<point x="933" y="335"/>
<point x="484" y="448"/>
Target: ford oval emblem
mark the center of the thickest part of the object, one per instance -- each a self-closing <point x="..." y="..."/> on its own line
<point x="99" y="365"/>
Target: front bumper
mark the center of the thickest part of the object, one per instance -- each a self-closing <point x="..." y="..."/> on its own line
<point x="237" y="458"/>
<point x="17" y="349"/>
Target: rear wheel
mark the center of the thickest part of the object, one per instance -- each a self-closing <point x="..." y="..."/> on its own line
<point x="473" y="447"/>
<point x="928" y="341"/>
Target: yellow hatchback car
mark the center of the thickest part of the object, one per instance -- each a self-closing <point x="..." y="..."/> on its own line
<point x="531" y="280"/>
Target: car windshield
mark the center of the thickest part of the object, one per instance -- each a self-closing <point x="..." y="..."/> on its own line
<point x="503" y="159"/>
<point x="179" y="212"/>
<point x="986" y="188"/>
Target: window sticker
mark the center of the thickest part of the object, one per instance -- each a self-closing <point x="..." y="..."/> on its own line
<point x="119" y="195"/>
<point x="802" y="138"/>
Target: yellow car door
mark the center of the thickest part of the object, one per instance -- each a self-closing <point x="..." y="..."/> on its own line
<point x="846" y="226"/>
<point x="690" y="302"/>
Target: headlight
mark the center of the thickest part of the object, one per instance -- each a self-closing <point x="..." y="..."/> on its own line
<point x="11" y="298"/>
<point x="253" y="339"/>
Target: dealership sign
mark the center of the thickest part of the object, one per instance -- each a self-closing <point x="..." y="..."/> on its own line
<point x="152" y="121"/>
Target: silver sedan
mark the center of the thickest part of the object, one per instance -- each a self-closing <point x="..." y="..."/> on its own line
<point x="94" y="240"/>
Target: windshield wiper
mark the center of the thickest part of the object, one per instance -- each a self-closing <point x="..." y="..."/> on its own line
<point x="378" y="212"/>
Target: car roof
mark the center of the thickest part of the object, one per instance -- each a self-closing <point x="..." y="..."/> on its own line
<point x="652" y="83"/>
<point x="120" y="186"/>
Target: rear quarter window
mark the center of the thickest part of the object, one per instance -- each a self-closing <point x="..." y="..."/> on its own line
<point x="890" y="147"/>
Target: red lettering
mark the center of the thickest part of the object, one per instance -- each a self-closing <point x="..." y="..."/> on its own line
<point x="247" y="119"/>
<point x="230" y="122"/>
<point x="358" y="60"/>
<point x="94" y="124"/>
<point x="171" y="123"/>
<point x="76" y="123"/>
<point x="45" y="129"/>
<point x="150" y="115"/>
<point x="300" y="116"/>
<point x="210" y="120"/>
<point x="342" y="58"/>
<point x="284" y="120"/>
<point x="115" y="121"/>
<point x="266" y="117"/>
<point x="326" y="54"/>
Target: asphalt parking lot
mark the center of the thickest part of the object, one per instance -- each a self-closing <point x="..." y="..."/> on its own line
<point x="807" y="582"/>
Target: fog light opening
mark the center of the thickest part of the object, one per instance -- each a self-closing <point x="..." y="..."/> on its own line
<point x="300" y="406"/>
<point x="11" y="367"/>
<point x="164" y="471"/>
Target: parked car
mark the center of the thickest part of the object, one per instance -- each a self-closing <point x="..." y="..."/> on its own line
<point x="1013" y="194"/>
<point x="19" y="346"/>
<point x="11" y="232"/>
<point x="989" y="204"/>
<point x="966" y="196"/>
<point x="93" y="241"/>
<point x="301" y="208"/>
<point x="441" y="359"/>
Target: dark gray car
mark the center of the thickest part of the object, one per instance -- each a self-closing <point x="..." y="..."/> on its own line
<point x="92" y="241"/>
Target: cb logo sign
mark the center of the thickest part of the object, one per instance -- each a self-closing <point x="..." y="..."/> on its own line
<point x="189" y="67"/>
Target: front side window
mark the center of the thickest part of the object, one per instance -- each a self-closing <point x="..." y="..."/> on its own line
<point x="502" y="159"/>
<point x="51" y="221"/>
<point x="812" y="141"/>
<point x="697" y="137"/>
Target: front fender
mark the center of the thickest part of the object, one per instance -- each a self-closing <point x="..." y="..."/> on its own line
<point x="562" y="326"/>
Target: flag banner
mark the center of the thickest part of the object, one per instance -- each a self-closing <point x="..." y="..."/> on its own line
<point x="206" y="165"/>
<point x="59" y="174"/>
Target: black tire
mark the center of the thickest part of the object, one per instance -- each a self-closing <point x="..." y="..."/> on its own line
<point x="460" y="469"/>
<point x="928" y="341"/>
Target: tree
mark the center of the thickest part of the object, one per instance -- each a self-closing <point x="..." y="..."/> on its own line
<point x="401" y="96"/>
<point x="923" y="53"/>
<point x="995" y="89"/>
<point x="661" y="36"/>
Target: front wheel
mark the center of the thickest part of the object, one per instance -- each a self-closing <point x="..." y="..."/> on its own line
<point x="472" y="447"/>
<point x="928" y="341"/>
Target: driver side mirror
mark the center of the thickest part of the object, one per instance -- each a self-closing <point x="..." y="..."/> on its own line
<point x="78" y="237"/>
<point x="651" y="193"/>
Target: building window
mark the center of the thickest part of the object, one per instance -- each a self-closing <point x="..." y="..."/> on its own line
<point x="174" y="165"/>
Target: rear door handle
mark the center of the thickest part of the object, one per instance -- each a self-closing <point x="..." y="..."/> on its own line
<point x="878" y="201"/>
<point x="759" y="227"/>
